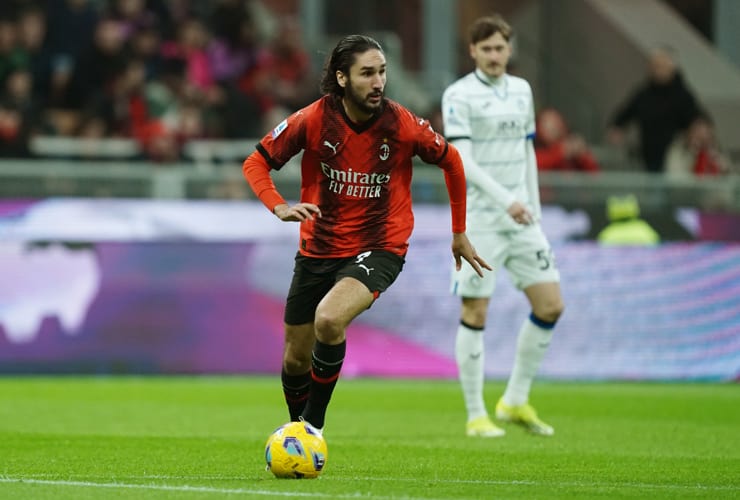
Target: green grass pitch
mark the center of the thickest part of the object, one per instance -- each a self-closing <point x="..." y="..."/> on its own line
<point x="203" y="437"/>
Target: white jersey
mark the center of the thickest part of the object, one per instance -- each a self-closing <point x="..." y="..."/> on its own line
<point x="498" y="119"/>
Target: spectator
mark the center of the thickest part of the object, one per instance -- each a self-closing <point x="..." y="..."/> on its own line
<point x="131" y="15"/>
<point x="234" y="47"/>
<point x="625" y="226"/>
<point x="9" y="9"/>
<point x="12" y="55"/>
<point x="19" y="115"/>
<point x="233" y="51"/>
<point x="85" y="58"/>
<point x="145" y="43"/>
<point x="71" y="24"/>
<point x="231" y="114"/>
<point x="99" y="65"/>
<point x="557" y="148"/>
<point x="122" y="111"/>
<point x="32" y="29"/>
<point x="190" y="46"/>
<point x="175" y="111"/>
<point x="285" y="74"/>
<point x="660" y="107"/>
<point x="696" y="151"/>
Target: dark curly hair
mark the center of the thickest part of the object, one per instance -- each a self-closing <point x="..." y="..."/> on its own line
<point x="342" y="58"/>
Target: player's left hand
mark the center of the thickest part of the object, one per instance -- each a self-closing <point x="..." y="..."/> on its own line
<point x="463" y="249"/>
<point x="520" y="214"/>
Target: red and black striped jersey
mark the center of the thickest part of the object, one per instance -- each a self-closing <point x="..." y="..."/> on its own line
<point x="359" y="175"/>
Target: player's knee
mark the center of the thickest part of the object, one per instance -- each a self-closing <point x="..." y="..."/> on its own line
<point x="550" y="311"/>
<point x="329" y="327"/>
<point x="296" y="362"/>
<point x="299" y="341"/>
<point x="474" y="312"/>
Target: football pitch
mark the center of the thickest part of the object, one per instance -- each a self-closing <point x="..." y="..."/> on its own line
<point x="203" y="437"/>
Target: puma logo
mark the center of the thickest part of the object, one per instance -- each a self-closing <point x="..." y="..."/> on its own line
<point x="475" y="355"/>
<point x="331" y="146"/>
<point x="367" y="269"/>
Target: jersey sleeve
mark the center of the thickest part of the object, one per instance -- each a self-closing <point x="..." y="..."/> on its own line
<point x="257" y="172"/>
<point x="286" y="140"/>
<point x="456" y="188"/>
<point x="455" y="115"/>
<point x="274" y="150"/>
<point x="532" y="171"/>
<point x="430" y="146"/>
<point x="530" y="124"/>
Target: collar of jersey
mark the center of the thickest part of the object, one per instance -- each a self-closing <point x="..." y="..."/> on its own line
<point x="500" y="85"/>
<point x="357" y="127"/>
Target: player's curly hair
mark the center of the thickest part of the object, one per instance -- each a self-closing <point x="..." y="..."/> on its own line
<point x="342" y="58"/>
<point x="488" y="26"/>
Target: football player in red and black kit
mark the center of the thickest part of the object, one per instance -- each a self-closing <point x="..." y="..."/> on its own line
<point x="355" y="211"/>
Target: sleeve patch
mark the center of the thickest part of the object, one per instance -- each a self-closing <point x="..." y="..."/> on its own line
<point x="279" y="129"/>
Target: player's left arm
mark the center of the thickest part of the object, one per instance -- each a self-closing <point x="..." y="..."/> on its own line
<point x="532" y="179"/>
<point x="533" y="188"/>
<point x="433" y="148"/>
<point x="452" y="165"/>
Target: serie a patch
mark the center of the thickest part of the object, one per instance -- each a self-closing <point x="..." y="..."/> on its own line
<point x="279" y="129"/>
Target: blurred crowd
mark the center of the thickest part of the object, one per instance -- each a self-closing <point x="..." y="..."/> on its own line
<point x="674" y="134"/>
<point x="163" y="72"/>
<point x="160" y="72"/>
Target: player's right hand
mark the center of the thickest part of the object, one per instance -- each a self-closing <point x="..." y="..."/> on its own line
<point x="299" y="212"/>
<point x="463" y="249"/>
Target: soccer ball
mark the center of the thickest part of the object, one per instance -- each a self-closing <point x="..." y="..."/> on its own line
<point x="296" y="450"/>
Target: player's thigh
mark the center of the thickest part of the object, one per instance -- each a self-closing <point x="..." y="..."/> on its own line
<point x="531" y="259"/>
<point x="312" y="279"/>
<point x="360" y="281"/>
<point x="343" y="303"/>
<point x="466" y="282"/>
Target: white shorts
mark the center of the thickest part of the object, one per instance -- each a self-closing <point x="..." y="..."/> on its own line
<point x="526" y="254"/>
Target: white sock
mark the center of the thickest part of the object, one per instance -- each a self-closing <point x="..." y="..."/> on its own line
<point x="531" y="345"/>
<point x="469" y="354"/>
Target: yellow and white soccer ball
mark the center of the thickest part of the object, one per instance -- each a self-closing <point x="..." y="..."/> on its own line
<point x="296" y="450"/>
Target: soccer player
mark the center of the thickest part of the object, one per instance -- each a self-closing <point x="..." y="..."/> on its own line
<point x="489" y="116"/>
<point x="355" y="211"/>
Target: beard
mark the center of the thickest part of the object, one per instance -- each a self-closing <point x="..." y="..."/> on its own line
<point x="361" y="102"/>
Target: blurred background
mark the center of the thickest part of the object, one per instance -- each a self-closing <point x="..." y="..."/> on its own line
<point x="130" y="242"/>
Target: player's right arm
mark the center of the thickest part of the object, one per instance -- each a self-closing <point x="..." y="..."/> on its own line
<point x="257" y="172"/>
<point x="276" y="148"/>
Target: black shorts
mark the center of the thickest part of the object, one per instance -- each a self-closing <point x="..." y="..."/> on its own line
<point x="314" y="277"/>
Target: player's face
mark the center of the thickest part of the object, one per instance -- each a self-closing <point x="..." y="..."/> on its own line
<point x="491" y="55"/>
<point x="364" y="85"/>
